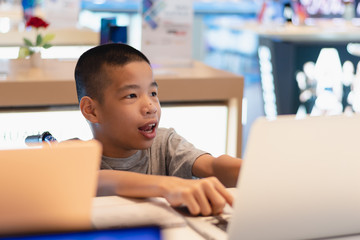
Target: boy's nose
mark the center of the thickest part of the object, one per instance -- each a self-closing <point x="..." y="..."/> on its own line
<point x="149" y="108"/>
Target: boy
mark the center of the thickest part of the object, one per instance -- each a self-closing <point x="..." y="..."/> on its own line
<point x="118" y="96"/>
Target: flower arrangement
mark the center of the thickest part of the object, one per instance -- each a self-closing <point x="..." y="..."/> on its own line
<point x="41" y="41"/>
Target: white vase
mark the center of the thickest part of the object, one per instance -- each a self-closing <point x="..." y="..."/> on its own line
<point x="35" y="60"/>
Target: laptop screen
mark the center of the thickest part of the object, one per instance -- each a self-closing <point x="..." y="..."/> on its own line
<point x="48" y="188"/>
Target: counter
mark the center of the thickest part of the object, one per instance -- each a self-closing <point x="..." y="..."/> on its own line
<point x="53" y="85"/>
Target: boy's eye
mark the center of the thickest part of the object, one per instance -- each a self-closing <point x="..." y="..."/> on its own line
<point x="132" y="95"/>
<point x="154" y="94"/>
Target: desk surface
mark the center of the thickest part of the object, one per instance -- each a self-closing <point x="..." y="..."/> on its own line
<point x="54" y="73"/>
<point x="319" y="31"/>
<point x="53" y="85"/>
<point x="117" y="212"/>
<point x="113" y="211"/>
<point x="79" y="36"/>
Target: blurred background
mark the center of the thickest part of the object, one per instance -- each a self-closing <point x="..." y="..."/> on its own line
<point x="297" y="57"/>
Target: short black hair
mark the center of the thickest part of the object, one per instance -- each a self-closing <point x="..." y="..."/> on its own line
<point x="90" y="80"/>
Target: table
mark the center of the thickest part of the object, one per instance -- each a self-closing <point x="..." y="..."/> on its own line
<point x="79" y="37"/>
<point x="115" y="211"/>
<point x="53" y="85"/>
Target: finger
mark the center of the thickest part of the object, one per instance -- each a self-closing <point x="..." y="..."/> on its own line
<point x="217" y="201"/>
<point x="223" y="191"/>
<point x="191" y="203"/>
<point x="201" y="198"/>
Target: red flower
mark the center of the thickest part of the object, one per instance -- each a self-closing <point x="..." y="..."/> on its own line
<point x="36" y="22"/>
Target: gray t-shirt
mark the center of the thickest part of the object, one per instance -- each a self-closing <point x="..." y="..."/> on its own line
<point x="170" y="155"/>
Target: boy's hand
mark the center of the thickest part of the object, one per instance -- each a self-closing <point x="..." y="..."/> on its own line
<point x="204" y="196"/>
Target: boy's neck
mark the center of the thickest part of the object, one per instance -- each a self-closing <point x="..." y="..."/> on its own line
<point x="119" y="154"/>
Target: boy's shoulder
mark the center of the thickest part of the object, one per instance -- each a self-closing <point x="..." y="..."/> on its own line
<point x="165" y="136"/>
<point x="165" y="132"/>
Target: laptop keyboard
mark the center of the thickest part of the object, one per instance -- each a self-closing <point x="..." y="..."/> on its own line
<point x="220" y="221"/>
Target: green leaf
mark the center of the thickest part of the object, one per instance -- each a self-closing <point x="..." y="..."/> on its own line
<point x="28" y="42"/>
<point x="48" y="37"/>
<point x="39" y="40"/>
<point x="23" y="52"/>
<point x="47" y="45"/>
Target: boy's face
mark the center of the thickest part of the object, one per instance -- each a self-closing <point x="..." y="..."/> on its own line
<point x="129" y="115"/>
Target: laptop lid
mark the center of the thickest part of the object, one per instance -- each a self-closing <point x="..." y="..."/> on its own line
<point x="48" y="188"/>
<point x="300" y="179"/>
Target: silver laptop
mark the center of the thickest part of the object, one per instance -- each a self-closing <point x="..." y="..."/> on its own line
<point x="49" y="187"/>
<point x="300" y="180"/>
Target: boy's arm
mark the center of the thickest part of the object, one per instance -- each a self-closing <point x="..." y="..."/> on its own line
<point x="204" y="196"/>
<point x="225" y="168"/>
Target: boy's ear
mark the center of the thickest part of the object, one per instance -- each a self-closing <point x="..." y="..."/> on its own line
<point x="88" y="109"/>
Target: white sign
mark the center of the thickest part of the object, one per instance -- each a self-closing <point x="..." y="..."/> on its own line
<point x="167" y="32"/>
<point x="62" y="13"/>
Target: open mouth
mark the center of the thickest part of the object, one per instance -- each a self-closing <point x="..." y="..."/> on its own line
<point x="148" y="128"/>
